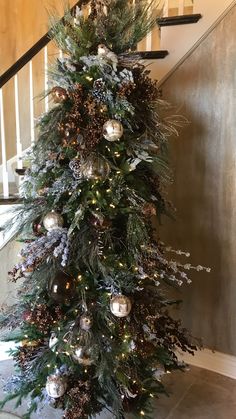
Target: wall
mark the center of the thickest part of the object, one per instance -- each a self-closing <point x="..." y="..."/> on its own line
<point x="22" y="23"/>
<point x="204" y="161"/>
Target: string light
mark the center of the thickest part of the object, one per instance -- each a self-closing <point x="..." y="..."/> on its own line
<point x="142" y="413"/>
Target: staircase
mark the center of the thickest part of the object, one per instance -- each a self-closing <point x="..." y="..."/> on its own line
<point x="181" y="25"/>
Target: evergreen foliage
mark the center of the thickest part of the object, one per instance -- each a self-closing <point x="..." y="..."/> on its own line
<point x="104" y="246"/>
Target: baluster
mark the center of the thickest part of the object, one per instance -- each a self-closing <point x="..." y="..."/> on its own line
<point x="166" y="8"/>
<point x="181" y="7"/>
<point x="3" y="148"/>
<point x="17" y="115"/>
<point x="149" y="37"/>
<point x="46" y="77"/>
<point x="31" y="91"/>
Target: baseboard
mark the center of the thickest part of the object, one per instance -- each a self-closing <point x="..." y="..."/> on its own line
<point x="213" y="361"/>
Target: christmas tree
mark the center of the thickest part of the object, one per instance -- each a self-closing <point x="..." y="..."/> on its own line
<point x="92" y="322"/>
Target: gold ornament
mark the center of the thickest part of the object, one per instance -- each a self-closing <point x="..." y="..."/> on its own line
<point x="29" y="343"/>
<point x="112" y="130"/>
<point x="62" y="287"/>
<point x="56" y="386"/>
<point x="95" y="167"/>
<point x="59" y="94"/>
<point x="120" y="306"/>
<point x="53" y="220"/>
<point x="85" y="322"/>
<point x="81" y="356"/>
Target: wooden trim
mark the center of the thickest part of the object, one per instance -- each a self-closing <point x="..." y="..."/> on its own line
<point x="14" y="199"/>
<point x="179" y="20"/>
<point x="152" y="55"/>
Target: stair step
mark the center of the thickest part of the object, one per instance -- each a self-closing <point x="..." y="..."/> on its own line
<point x="152" y="55"/>
<point x="12" y="199"/>
<point x="179" y="20"/>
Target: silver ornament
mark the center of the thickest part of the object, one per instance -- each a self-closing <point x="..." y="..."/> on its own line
<point x="120" y="306"/>
<point x="81" y="356"/>
<point x="85" y="322"/>
<point x="95" y="167"/>
<point x="112" y="130"/>
<point x="56" y="386"/>
<point x="53" y="341"/>
<point x="53" y="220"/>
<point x="74" y="165"/>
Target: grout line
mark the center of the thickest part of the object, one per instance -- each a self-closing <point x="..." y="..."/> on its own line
<point x="181" y="399"/>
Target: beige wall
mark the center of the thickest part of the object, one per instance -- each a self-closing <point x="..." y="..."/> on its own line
<point x="204" y="161"/>
<point x="22" y="23"/>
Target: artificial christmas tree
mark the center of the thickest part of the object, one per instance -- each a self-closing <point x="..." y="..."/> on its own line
<point x="92" y="319"/>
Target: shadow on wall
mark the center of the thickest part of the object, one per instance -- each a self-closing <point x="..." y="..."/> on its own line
<point x="204" y="191"/>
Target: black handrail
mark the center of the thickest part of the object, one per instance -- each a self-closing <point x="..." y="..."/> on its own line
<point x="17" y="66"/>
<point x="38" y="46"/>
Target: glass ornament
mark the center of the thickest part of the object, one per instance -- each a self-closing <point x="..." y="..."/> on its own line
<point x="113" y="130"/>
<point x="120" y="306"/>
<point x="53" y="220"/>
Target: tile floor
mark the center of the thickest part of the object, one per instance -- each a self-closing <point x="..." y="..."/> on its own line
<point x="195" y="394"/>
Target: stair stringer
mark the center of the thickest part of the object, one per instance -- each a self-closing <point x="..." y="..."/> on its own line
<point x="181" y="40"/>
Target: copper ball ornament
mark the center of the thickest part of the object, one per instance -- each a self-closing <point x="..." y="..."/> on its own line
<point x="62" y="288"/>
<point x="100" y="222"/>
<point x="27" y="315"/>
<point x="59" y="94"/>
<point x="37" y="227"/>
<point x="95" y="167"/>
<point x="53" y="220"/>
<point x="120" y="306"/>
<point x="86" y="322"/>
<point x="113" y="130"/>
<point x="56" y="386"/>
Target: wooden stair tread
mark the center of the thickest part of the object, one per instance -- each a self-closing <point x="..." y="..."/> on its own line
<point x="179" y="20"/>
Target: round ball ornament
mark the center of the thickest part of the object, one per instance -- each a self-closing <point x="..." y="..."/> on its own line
<point x="27" y="315"/>
<point x="99" y="222"/>
<point x="37" y="227"/>
<point x="56" y="386"/>
<point x="59" y="94"/>
<point x="81" y="356"/>
<point x="120" y="306"/>
<point x="62" y="287"/>
<point x="95" y="167"/>
<point x="53" y="220"/>
<point x="112" y="130"/>
<point x="86" y="322"/>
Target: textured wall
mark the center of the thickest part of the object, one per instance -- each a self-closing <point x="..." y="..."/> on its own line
<point x="204" y="160"/>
